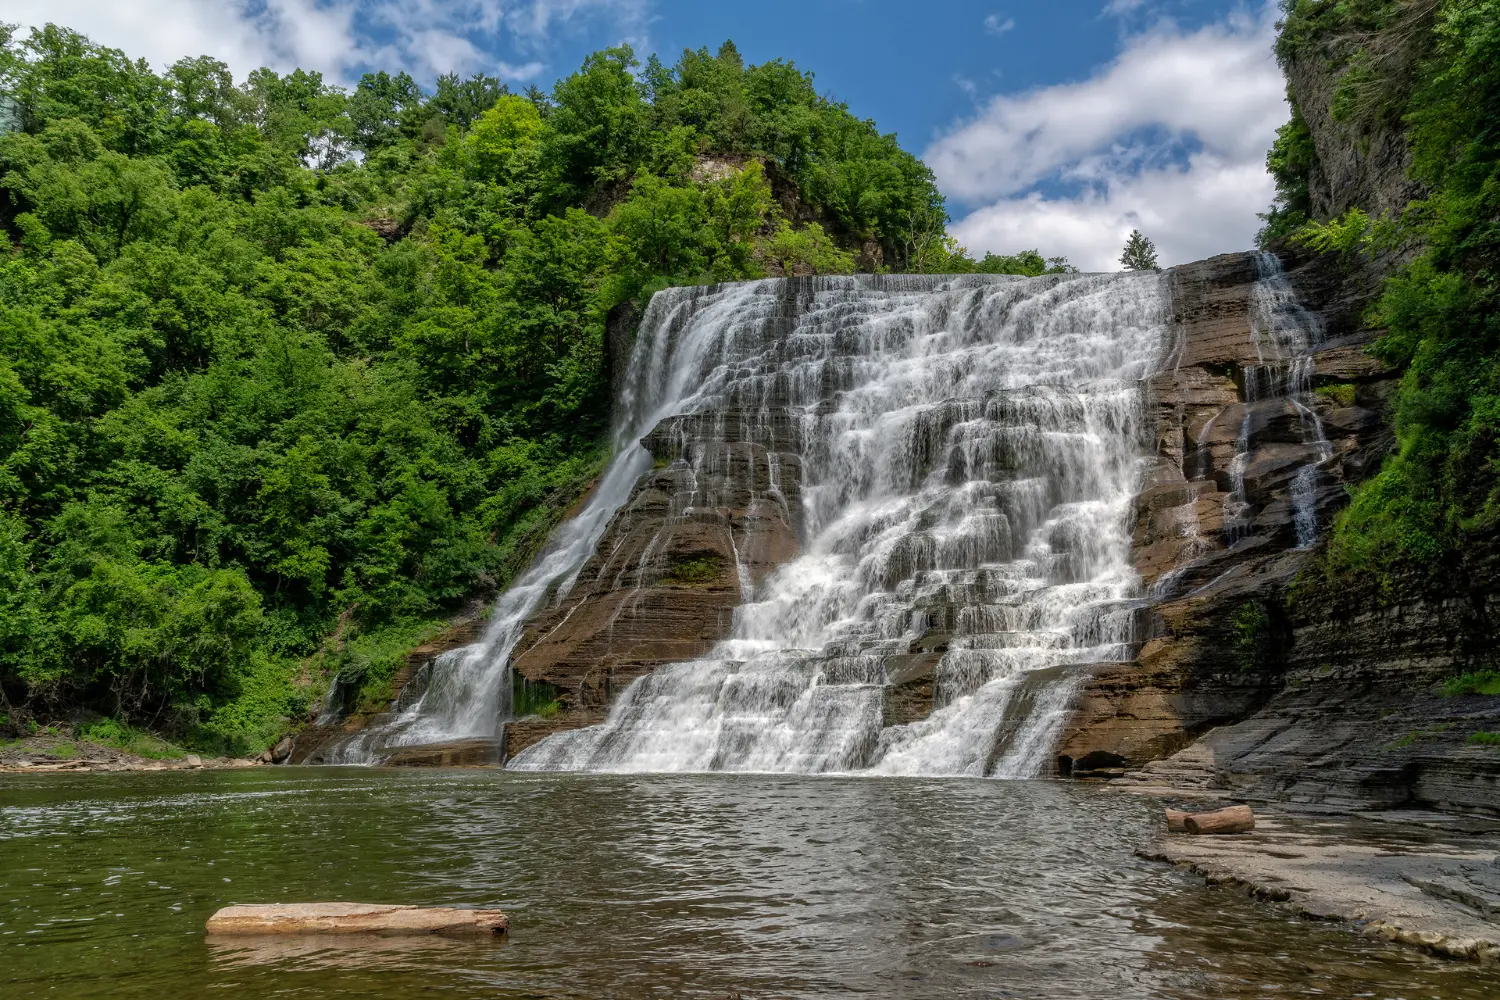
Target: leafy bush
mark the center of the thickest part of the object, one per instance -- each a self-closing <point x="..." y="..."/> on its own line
<point x="1340" y="393"/>
<point x="1486" y="682"/>
<point x="1253" y="639"/>
<point x="691" y="572"/>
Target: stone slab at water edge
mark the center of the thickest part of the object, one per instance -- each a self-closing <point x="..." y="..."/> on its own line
<point x="355" y="918"/>
<point x="1418" y="878"/>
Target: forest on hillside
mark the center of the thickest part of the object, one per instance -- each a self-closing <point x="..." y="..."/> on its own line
<point x="1427" y="71"/>
<point x="289" y="372"/>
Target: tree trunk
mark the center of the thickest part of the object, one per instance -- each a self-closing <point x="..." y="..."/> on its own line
<point x="354" y="918"/>
<point x="1235" y="819"/>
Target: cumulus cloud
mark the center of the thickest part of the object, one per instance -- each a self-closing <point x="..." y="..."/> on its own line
<point x="1169" y="138"/>
<point x="337" y="37"/>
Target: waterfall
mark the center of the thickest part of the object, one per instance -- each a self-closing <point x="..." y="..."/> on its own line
<point x="1284" y="333"/>
<point x="970" y="447"/>
<point x="468" y="690"/>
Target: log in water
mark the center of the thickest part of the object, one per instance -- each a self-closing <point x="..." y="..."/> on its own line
<point x="354" y="918"/>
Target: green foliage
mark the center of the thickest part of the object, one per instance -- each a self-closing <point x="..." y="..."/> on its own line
<point x="805" y="251"/>
<point x="1339" y="394"/>
<point x="1485" y="682"/>
<point x="536" y="698"/>
<point x="1418" y="736"/>
<point x="1139" y="253"/>
<point x="255" y="390"/>
<point x="1252" y="637"/>
<point x="947" y="257"/>
<point x="1352" y="233"/>
<point x="692" y="572"/>
<point x="1433" y="68"/>
<point x="118" y="735"/>
<point x="1483" y="739"/>
<point x="1291" y="161"/>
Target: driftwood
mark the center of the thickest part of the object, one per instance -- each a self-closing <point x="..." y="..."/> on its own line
<point x="1235" y="819"/>
<point x="1176" y="821"/>
<point x="354" y="918"/>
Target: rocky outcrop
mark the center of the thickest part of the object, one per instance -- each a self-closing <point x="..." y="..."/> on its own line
<point x="1367" y="168"/>
<point x="721" y="510"/>
<point x="1296" y="688"/>
<point x="330" y="724"/>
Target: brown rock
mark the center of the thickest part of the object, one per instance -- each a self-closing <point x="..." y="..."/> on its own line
<point x="354" y="918"/>
<point x="459" y="753"/>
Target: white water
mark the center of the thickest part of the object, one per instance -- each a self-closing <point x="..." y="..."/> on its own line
<point x="970" y="450"/>
<point x="1284" y="333"/>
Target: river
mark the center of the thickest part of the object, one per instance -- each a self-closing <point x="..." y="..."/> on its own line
<point x="647" y="886"/>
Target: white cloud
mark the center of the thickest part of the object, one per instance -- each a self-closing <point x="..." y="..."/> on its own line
<point x="1115" y="141"/>
<point x="1118" y="7"/>
<point x="336" y="37"/>
<point x="996" y="25"/>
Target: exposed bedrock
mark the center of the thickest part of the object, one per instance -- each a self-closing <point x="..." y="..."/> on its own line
<point x="717" y="514"/>
<point x="1332" y="696"/>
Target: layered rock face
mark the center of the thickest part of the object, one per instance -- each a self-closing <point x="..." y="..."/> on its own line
<point x="710" y="521"/>
<point x="1294" y="687"/>
<point x="939" y="467"/>
<point x="1269" y="407"/>
<point x="968" y="538"/>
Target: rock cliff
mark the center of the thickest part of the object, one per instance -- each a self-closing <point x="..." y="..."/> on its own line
<point x="1294" y="687"/>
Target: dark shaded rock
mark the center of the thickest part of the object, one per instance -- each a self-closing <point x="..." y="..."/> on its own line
<point x="459" y="753"/>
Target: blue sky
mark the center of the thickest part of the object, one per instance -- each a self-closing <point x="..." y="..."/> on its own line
<point x="1059" y="126"/>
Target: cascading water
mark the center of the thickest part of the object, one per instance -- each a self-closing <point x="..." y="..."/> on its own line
<point x="970" y="448"/>
<point x="1284" y="334"/>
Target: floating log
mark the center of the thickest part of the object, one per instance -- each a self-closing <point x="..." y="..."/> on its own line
<point x="354" y="918"/>
<point x="1235" y="819"/>
<point x="1176" y="821"/>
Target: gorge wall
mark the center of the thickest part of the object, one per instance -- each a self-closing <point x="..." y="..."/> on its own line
<point x="1261" y="676"/>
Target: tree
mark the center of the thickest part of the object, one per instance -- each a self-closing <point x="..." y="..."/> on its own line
<point x="1140" y="253"/>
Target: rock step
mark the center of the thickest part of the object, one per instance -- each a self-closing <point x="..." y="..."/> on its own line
<point x="457" y="753"/>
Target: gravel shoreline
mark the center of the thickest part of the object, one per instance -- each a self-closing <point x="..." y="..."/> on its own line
<point x="51" y="754"/>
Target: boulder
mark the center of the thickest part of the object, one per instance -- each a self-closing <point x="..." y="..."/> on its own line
<point x="282" y="751"/>
<point x="354" y="918"/>
<point x="192" y="760"/>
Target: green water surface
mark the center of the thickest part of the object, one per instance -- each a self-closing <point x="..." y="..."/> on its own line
<point x="650" y="886"/>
